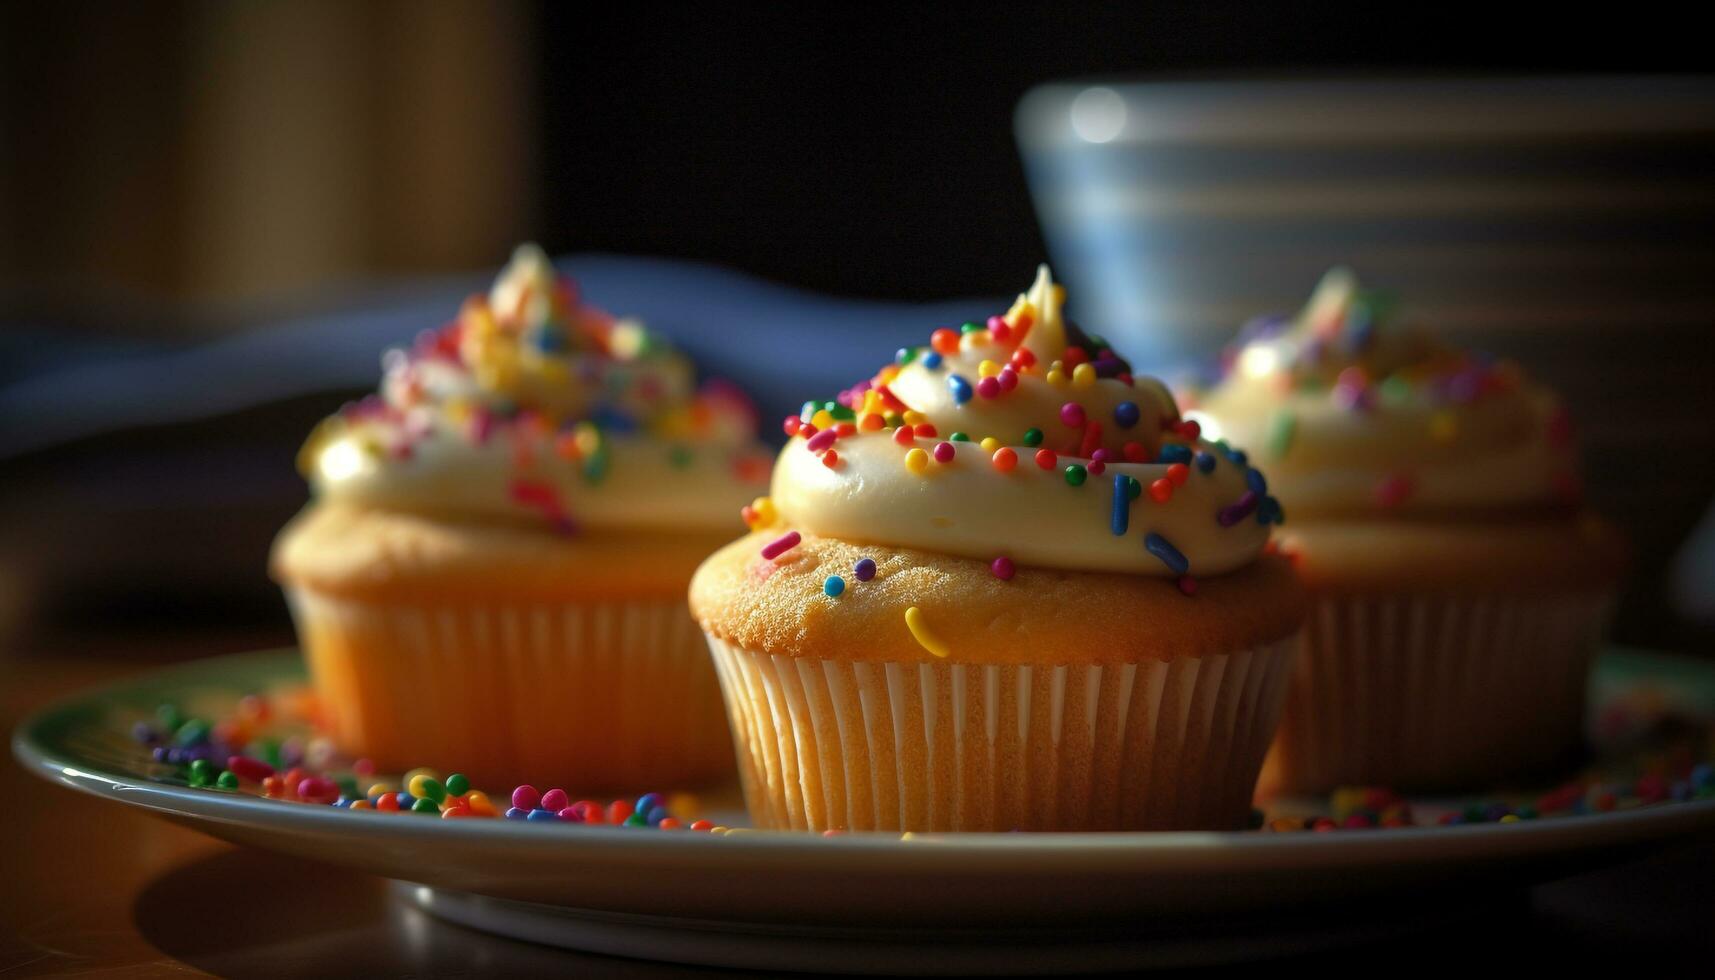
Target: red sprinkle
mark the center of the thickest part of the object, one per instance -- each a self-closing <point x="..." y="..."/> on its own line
<point x="779" y="546"/>
<point x="1002" y="568"/>
<point x="248" y="769"/>
<point x="1045" y="458"/>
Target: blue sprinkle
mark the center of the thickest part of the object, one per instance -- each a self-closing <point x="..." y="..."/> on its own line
<point x="865" y="569"/>
<point x="1126" y="414"/>
<point x="1270" y="512"/>
<point x="540" y="815"/>
<point x="656" y="814"/>
<point x="1702" y="775"/>
<point x="1170" y="556"/>
<point x="1255" y="481"/>
<point x="405" y="800"/>
<point x="960" y="388"/>
<point x="1173" y="452"/>
<point x="1206" y="462"/>
<point x="932" y="360"/>
<point x="1121" y="518"/>
<point x="834" y="586"/>
<point x="344" y="803"/>
<point x="513" y="813"/>
<point x="647" y="802"/>
<point x="808" y="411"/>
<point x="547" y="339"/>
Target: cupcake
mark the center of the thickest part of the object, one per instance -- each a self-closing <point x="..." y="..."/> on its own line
<point x="1459" y="586"/>
<point x="1002" y="585"/>
<point x="493" y="566"/>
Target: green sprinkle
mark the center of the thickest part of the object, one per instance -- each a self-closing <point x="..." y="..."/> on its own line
<point x="347" y="786"/>
<point x="840" y="412"/>
<point x="680" y="457"/>
<point x="169" y="717"/>
<point x="596" y="464"/>
<point x="425" y="806"/>
<point x="1033" y="437"/>
<point x="1280" y="432"/>
<point x="636" y="820"/>
<point x="432" y="789"/>
<point x="1075" y="475"/>
<point x="969" y="327"/>
<point x="959" y="437"/>
<point x="202" y="772"/>
<point x="893" y="420"/>
<point x="905" y="356"/>
<point x="192" y="732"/>
<point x="458" y="784"/>
<point x="270" y="749"/>
<point x="1134" y="487"/>
<point x="1395" y="390"/>
<point x="226" y="780"/>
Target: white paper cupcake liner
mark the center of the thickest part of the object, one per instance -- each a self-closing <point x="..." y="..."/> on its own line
<point x="601" y="695"/>
<point x="1435" y="692"/>
<point x="827" y="744"/>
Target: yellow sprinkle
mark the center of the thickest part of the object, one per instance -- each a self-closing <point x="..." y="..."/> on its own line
<point x="823" y="419"/>
<point x="1510" y="818"/>
<point x="990" y="444"/>
<point x="1083" y="375"/>
<point x="718" y="829"/>
<point x="987" y="369"/>
<point x="920" y="633"/>
<point x="1443" y="426"/>
<point x="588" y="438"/>
<point x="974" y="339"/>
<point x="1056" y="376"/>
<point x="763" y="508"/>
<point x="914" y="418"/>
<point x="379" y="789"/>
<point x="872" y="402"/>
<point x="552" y="370"/>
<point x="916" y="460"/>
<point x="1020" y="307"/>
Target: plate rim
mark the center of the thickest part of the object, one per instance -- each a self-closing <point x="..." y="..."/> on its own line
<point x="1112" y="852"/>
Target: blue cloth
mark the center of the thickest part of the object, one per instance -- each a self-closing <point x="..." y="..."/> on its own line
<point x="783" y="345"/>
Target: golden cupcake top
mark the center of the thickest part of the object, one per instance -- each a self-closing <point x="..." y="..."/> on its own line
<point x="534" y="405"/>
<point x="1020" y="441"/>
<point x="1359" y="411"/>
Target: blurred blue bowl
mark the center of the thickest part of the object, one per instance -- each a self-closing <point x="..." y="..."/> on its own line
<point x="1509" y="211"/>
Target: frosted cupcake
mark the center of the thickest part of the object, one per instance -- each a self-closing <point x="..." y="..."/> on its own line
<point x="1002" y="585"/>
<point x="1460" y="586"/>
<point x="493" y="567"/>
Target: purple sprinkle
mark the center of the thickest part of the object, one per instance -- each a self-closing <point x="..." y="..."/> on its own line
<point x="1238" y="511"/>
<point x="821" y="440"/>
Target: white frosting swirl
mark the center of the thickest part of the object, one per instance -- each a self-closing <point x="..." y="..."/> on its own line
<point x="1354" y="413"/>
<point x="532" y="406"/>
<point x="1106" y="435"/>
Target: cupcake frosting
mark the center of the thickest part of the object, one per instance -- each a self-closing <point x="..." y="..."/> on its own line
<point x="1355" y="411"/>
<point x="1021" y="440"/>
<point x="534" y="406"/>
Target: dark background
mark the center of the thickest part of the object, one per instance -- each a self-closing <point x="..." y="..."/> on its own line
<point x="868" y="149"/>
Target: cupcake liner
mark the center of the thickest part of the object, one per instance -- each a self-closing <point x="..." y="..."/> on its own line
<point x="597" y="695"/>
<point x="1435" y="692"/>
<point x="1156" y="745"/>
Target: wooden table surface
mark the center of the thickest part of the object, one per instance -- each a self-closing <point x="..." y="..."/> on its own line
<point x="93" y="888"/>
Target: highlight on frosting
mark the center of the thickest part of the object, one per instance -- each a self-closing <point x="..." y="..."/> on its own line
<point x="1357" y="409"/>
<point x="1020" y="441"/>
<point x="533" y="405"/>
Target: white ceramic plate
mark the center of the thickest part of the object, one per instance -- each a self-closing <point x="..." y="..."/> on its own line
<point x="931" y="903"/>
